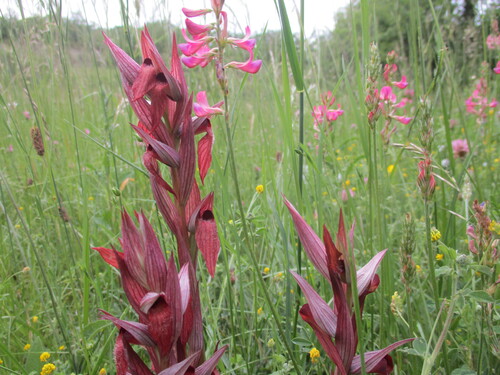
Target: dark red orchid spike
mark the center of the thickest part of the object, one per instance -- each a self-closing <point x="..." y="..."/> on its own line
<point x="335" y="327"/>
<point x="166" y="301"/>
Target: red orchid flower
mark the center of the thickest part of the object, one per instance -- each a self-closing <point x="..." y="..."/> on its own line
<point x="335" y="328"/>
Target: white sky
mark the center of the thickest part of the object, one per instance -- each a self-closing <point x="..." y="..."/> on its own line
<point x="319" y="14"/>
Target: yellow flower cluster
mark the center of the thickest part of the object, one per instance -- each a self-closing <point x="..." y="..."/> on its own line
<point x="44" y="356"/>
<point x="439" y="256"/>
<point x="314" y="354"/>
<point x="102" y="371"/>
<point x="435" y="235"/>
<point x="47" y="369"/>
<point x="259" y="189"/>
<point x="260" y="310"/>
<point x="494" y="227"/>
<point x="27" y="347"/>
<point x="390" y="168"/>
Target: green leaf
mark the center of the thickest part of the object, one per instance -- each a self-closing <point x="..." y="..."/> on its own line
<point x="290" y="46"/>
<point x="443" y="271"/>
<point x="481" y="296"/>
<point x="463" y="371"/>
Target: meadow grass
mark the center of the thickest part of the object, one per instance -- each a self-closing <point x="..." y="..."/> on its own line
<point x="55" y="207"/>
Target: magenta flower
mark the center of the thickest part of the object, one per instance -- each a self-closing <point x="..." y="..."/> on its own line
<point x="203" y="109"/>
<point x="460" y="148"/>
<point x="401" y="84"/>
<point x="478" y="103"/>
<point x="27" y="115"/>
<point x="323" y="112"/>
<point x="497" y="68"/>
<point x="199" y="52"/>
<point x="387" y="95"/>
<point x="335" y="328"/>
<point x="402" y="119"/>
<point x="250" y="66"/>
<point x="245" y="43"/>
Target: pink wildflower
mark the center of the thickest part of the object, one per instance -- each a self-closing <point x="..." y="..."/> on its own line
<point x="386" y="94"/>
<point x="198" y="51"/>
<point x="250" y="66"/>
<point x="202" y="108"/>
<point x="497" y="68"/>
<point x="460" y="148"/>
<point x="401" y="84"/>
<point x="402" y="119"/>
<point x="27" y="115"/>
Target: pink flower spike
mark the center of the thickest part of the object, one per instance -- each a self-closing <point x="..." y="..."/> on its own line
<point x="497" y="68"/>
<point x="196" y="29"/>
<point x="195" y="13"/>
<point x="402" y="119"/>
<point x="202" y="108"/>
<point x="493" y="103"/>
<point x="26" y="115"/>
<point x="387" y="94"/>
<point x="401" y="84"/>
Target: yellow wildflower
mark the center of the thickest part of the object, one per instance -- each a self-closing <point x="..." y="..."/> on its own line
<point x="1" y="361"/>
<point x="34" y="319"/>
<point x="279" y="276"/>
<point x="347" y="182"/>
<point x="259" y="189"/>
<point x="17" y="226"/>
<point x="230" y="222"/>
<point x="435" y="235"/>
<point x="266" y="270"/>
<point x="439" y="256"/>
<point x="62" y="347"/>
<point x="314" y="354"/>
<point x="418" y="268"/>
<point x="260" y="310"/>
<point x="102" y="371"/>
<point x="47" y="369"/>
<point x="21" y="208"/>
<point x="390" y="168"/>
<point x="44" y="356"/>
<point x="325" y="193"/>
<point x="91" y="198"/>
<point x="27" y="347"/>
<point x="270" y="343"/>
<point x="494" y="227"/>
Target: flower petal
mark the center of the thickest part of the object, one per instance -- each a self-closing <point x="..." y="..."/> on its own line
<point x="322" y="314"/>
<point x="373" y="360"/>
<point x="314" y="247"/>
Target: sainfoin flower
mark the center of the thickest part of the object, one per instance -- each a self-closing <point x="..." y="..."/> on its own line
<point x="166" y="300"/>
<point x="335" y="328"/>
<point x="201" y="49"/>
<point x="496" y="69"/>
<point x="460" y="148"/>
